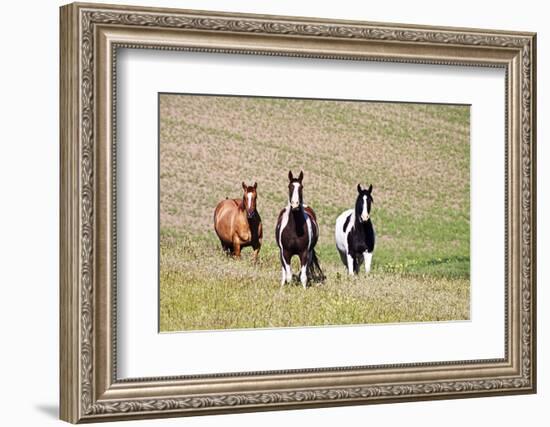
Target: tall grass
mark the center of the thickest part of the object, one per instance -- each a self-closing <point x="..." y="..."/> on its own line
<point x="201" y="288"/>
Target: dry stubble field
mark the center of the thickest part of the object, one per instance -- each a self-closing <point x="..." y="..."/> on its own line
<point x="417" y="157"/>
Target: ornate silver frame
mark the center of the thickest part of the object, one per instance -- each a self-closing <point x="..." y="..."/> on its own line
<point x="90" y="36"/>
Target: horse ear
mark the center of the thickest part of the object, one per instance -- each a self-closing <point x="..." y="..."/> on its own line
<point x="255" y="185"/>
<point x="244" y="186"/>
<point x="290" y="176"/>
<point x="301" y="176"/>
<point x="370" y="189"/>
<point x="359" y="189"/>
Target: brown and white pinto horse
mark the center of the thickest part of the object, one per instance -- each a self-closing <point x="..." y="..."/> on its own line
<point x="238" y="224"/>
<point x="297" y="233"/>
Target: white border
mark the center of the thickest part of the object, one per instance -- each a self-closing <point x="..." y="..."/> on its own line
<point x="143" y="352"/>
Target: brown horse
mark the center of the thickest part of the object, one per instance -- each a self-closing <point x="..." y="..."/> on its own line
<point x="238" y="224"/>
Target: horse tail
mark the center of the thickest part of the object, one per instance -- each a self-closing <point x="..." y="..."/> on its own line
<point x="314" y="269"/>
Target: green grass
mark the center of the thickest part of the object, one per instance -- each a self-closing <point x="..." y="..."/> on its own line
<point x="204" y="289"/>
<point x="417" y="158"/>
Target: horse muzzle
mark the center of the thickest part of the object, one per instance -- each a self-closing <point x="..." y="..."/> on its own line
<point x="365" y="218"/>
<point x="250" y="215"/>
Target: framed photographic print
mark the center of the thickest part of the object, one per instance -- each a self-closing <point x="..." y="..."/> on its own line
<point x="265" y="212"/>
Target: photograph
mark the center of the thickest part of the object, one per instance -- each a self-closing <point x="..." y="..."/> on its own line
<point x="279" y="209"/>
<point x="289" y="212"/>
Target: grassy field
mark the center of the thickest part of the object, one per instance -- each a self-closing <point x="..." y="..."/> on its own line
<point x="417" y="158"/>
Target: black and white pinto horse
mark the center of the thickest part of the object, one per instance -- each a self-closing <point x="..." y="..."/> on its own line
<point x="297" y="233"/>
<point x="355" y="233"/>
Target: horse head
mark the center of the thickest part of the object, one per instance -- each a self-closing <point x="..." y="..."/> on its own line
<point x="363" y="203"/>
<point x="249" y="199"/>
<point x="295" y="190"/>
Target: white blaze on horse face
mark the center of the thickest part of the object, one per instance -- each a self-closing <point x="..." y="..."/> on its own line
<point x="295" y="199"/>
<point x="249" y="198"/>
<point x="365" y="213"/>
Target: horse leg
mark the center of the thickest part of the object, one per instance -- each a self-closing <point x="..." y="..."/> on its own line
<point x="368" y="259"/>
<point x="286" y="276"/>
<point x="256" y="252"/>
<point x="351" y="270"/>
<point x="226" y="248"/>
<point x="304" y="262"/>
<point x="256" y="241"/>
<point x="343" y="257"/>
<point x="236" y="248"/>
<point x="255" y="255"/>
